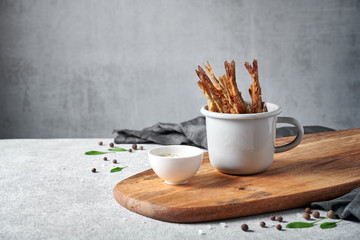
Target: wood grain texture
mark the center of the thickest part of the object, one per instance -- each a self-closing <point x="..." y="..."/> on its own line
<point x="322" y="167"/>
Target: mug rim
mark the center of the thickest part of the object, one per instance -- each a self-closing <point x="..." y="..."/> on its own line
<point x="276" y="111"/>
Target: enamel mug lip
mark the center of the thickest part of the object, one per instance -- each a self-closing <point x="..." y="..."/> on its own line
<point x="272" y="108"/>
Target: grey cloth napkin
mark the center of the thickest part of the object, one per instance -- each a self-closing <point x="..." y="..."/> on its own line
<point x="345" y="207"/>
<point x="192" y="132"/>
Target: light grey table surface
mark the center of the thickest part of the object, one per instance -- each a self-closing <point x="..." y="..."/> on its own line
<point x="47" y="191"/>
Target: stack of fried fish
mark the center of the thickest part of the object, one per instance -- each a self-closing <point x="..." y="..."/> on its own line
<point x="222" y="93"/>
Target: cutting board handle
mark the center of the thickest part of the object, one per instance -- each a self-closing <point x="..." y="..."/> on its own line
<point x="299" y="136"/>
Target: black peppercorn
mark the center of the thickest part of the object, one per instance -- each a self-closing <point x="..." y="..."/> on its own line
<point x="141" y="147"/>
<point x="331" y="214"/>
<point x="244" y="227"/>
<point x="93" y="170"/>
<point x="307" y="210"/>
<point x="316" y="214"/>
<point x="114" y="161"/>
<point x="278" y="227"/>
<point x="272" y="217"/>
<point x="100" y="143"/>
<point x="134" y="146"/>
<point x="307" y="216"/>
<point x="111" y="144"/>
<point x="105" y="158"/>
<point x="130" y="150"/>
<point x="262" y="224"/>
<point x="279" y="219"/>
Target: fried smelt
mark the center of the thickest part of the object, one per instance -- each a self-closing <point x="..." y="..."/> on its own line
<point x="210" y="102"/>
<point x="224" y="82"/>
<point x="216" y="95"/>
<point x="222" y="93"/>
<point x="255" y="90"/>
<point x="240" y="105"/>
<point x="212" y="75"/>
<point x="264" y="108"/>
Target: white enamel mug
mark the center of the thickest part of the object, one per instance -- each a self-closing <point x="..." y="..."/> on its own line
<point x="245" y="143"/>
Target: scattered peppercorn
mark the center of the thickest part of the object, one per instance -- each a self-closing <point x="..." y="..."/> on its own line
<point x="130" y="150"/>
<point x="93" y="170"/>
<point x="262" y="224"/>
<point x="307" y="216"/>
<point x="272" y="217"/>
<point x="278" y="227"/>
<point x="105" y="158"/>
<point x="134" y="146"/>
<point x="141" y="147"/>
<point x="331" y="214"/>
<point x="307" y="210"/>
<point x="279" y="219"/>
<point x="100" y="143"/>
<point x="244" y="227"/>
<point x="111" y="144"/>
<point x="114" y="161"/>
<point x="316" y="214"/>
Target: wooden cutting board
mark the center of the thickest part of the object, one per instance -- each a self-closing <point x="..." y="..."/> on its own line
<point x="322" y="167"/>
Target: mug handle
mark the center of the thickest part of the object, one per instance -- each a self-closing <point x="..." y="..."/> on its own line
<point x="299" y="136"/>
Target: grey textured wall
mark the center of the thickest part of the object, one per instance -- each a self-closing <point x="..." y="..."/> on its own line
<point x="83" y="68"/>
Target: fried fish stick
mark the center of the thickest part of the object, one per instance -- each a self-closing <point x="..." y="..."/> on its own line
<point x="212" y="75"/>
<point x="211" y="90"/>
<point x="264" y="108"/>
<point x="210" y="102"/>
<point x="234" y="91"/>
<point x="217" y="93"/>
<point x="255" y="90"/>
<point x="223" y="80"/>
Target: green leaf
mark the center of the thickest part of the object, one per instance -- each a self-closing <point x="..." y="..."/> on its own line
<point x="117" y="169"/>
<point x="94" y="153"/>
<point x="117" y="149"/>
<point x="328" y="225"/>
<point x="299" y="225"/>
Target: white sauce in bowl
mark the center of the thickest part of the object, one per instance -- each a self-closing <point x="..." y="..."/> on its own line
<point x="174" y="155"/>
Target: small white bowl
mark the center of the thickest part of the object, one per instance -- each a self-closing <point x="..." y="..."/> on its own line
<point x="175" y="164"/>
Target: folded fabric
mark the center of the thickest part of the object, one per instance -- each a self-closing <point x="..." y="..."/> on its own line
<point x="192" y="132"/>
<point x="346" y="207"/>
